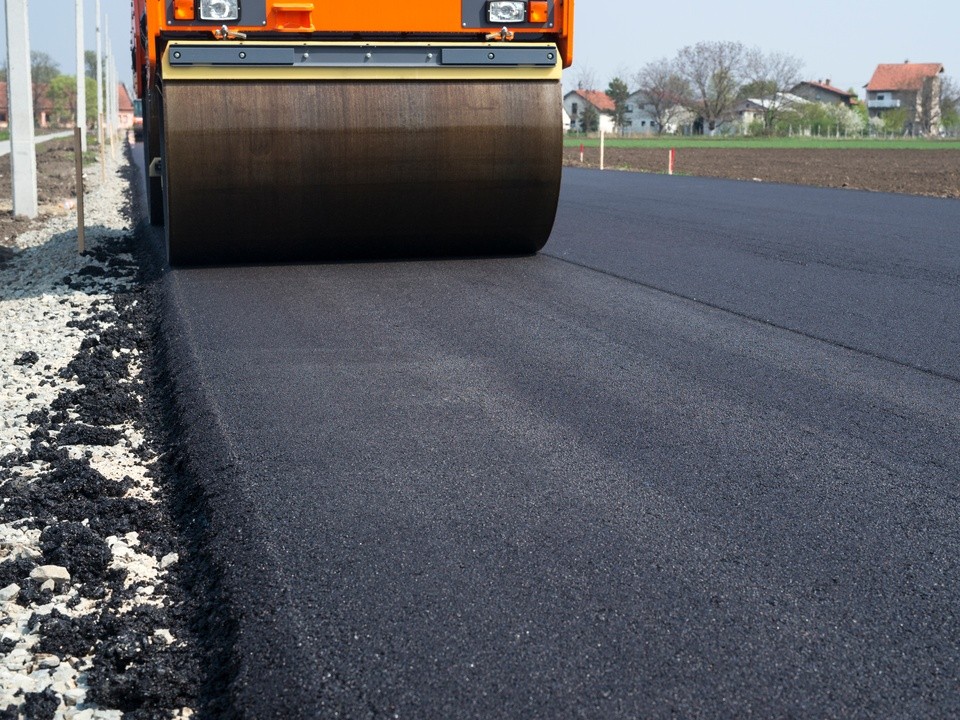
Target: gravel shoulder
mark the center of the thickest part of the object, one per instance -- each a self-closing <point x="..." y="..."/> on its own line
<point x="94" y="621"/>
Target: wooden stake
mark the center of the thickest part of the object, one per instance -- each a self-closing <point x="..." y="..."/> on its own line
<point x="78" y="152"/>
<point x="103" y="160"/>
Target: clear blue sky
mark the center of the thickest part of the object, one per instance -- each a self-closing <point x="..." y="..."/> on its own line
<point x="836" y="39"/>
<point x="53" y="31"/>
<point x="843" y="40"/>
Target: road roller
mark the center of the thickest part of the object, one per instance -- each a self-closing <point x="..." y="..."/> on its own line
<point x="291" y="131"/>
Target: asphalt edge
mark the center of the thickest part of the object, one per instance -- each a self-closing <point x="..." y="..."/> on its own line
<point x="233" y="619"/>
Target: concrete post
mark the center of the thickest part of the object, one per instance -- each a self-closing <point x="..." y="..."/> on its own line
<point x="23" y="158"/>
<point x="81" y="80"/>
<point x="109" y="90"/>
<point x="99" y="81"/>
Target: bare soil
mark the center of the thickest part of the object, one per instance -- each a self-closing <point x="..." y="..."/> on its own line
<point x="56" y="189"/>
<point x="915" y="172"/>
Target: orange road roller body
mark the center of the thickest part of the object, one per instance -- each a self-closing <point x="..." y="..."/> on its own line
<point x="280" y="131"/>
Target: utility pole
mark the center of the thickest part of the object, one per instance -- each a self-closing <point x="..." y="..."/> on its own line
<point x="23" y="158"/>
<point x="99" y="81"/>
<point x="111" y="100"/>
<point x="81" y="81"/>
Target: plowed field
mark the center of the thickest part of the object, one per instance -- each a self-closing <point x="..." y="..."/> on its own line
<point x="916" y="172"/>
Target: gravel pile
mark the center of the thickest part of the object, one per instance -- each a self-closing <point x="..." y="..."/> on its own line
<point x="92" y="613"/>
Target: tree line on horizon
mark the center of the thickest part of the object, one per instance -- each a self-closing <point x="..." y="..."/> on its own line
<point x="59" y="89"/>
<point x="710" y="78"/>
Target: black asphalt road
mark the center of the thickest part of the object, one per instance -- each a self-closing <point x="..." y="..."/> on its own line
<point x="699" y="458"/>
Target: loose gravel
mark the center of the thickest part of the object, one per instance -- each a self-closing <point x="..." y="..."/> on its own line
<point x="94" y="621"/>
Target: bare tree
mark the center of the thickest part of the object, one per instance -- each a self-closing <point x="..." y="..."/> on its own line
<point x="949" y="101"/>
<point x="715" y="71"/>
<point x="770" y="76"/>
<point x="586" y="78"/>
<point x="666" y="94"/>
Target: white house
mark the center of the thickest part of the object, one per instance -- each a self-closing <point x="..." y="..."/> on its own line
<point x="641" y="118"/>
<point x="575" y="101"/>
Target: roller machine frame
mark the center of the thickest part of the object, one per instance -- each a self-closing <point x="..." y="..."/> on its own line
<point x="280" y="130"/>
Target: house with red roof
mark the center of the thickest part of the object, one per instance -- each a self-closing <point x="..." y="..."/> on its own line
<point x="822" y="91"/>
<point x="44" y="110"/>
<point x="576" y="101"/>
<point x="913" y="88"/>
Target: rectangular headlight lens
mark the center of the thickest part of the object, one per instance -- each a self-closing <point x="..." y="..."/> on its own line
<point x="219" y="9"/>
<point x="507" y="12"/>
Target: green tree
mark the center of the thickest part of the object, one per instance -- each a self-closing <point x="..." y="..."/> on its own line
<point x="618" y="91"/>
<point x="757" y="89"/>
<point x="813" y="118"/>
<point x="90" y="63"/>
<point x="43" y="69"/>
<point x="62" y="94"/>
<point x="91" y="94"/>
<point x="895" y="120"/>
<point x="589" y="118"/>
<point x="950" y="103"/>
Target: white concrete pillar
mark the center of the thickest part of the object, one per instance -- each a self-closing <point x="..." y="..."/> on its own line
<point x="100" y="134"/>
<point x="81" y="80"/>
<point x="23" y="157"/>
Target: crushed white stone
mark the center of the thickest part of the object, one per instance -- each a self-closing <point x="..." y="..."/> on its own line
<point x="35" y="308"/>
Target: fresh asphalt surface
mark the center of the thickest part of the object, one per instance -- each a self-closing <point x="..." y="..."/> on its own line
<point x="699" y="458"/>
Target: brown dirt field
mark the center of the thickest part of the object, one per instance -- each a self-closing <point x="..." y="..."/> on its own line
<point x="915" y="172"/>
<point x="56" y="188"/>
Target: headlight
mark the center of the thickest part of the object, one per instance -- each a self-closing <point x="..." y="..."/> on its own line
<point x="219" y="9"/>
<point x="507" y="12"/>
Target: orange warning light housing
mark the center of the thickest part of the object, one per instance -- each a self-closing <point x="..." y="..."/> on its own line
<point x="183" y="9"/>
<point x="539" y="11"/>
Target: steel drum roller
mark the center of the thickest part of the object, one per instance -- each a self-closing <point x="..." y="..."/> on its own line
<point x="309" y="170"/>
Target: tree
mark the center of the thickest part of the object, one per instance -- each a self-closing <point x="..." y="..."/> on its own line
<point x="586" y="78"/>
<point x="62" y="94"/>
<point x="90" y="63"/>
<point x="812" y="117"/>
<point x="895" y="120"/>
<point x="618" y="91"/>
<point x="949" y="102"/>
<point x="715" y="72"/>
<point x="664" y="91"/>
<point x="43" y="69"/>
<point x="770" y="76"/>
<point x="589" y="118"/>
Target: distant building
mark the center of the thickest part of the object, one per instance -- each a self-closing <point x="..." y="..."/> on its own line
<point x="43" y="109"/>
<point x="124" y="108"/>
<point x="575" y="101"/>
<point x="641" y="117"/>
<point x="822" y="91"/>
<point x="752" y="110"/>
<point x="911" y="87"/>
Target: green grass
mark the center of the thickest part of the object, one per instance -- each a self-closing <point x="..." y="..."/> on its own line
<point x="778" y="143"/>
